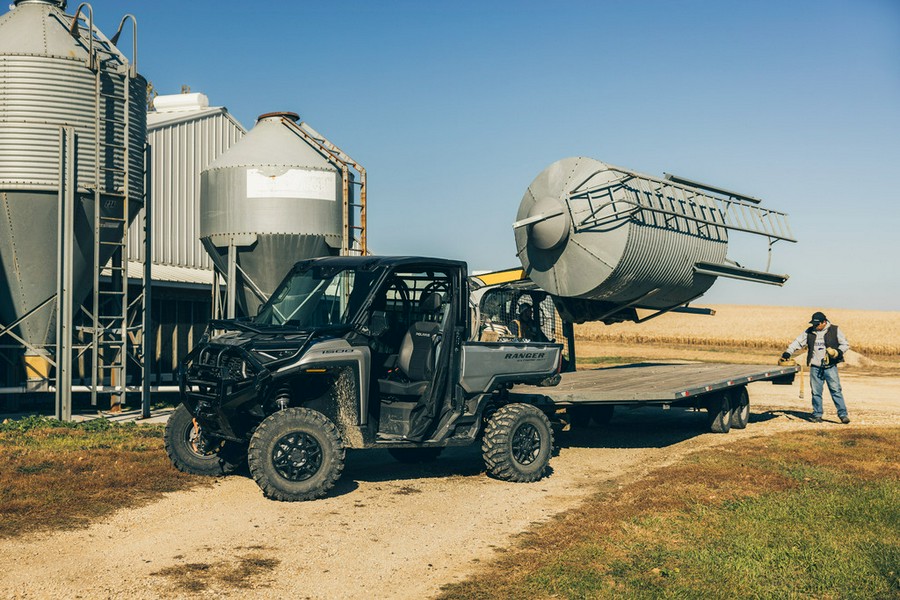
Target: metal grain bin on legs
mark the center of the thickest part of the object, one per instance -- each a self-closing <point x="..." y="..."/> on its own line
<point x="279" y="195"/>
<point x="606" y="240"/>
<point x="57" y="71"/>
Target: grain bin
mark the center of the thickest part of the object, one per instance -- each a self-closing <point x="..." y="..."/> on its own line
<point x="605" y="240"/>
<point x="57" y="70"/>
<point x="274" y="199"/>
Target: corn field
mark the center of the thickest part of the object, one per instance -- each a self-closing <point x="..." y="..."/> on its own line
<point x="770" y="328"/>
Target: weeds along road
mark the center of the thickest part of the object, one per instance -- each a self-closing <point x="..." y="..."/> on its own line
<point x="388" y="530"/>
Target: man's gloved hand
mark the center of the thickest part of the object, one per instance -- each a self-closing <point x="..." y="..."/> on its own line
<point x="785" y="356"/>
<point x="835" y="355"/>
<point x="831" y="352"/>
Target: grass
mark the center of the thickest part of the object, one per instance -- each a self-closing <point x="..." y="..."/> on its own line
<point x="249" y="569"/>
<point x="63" y="475"/>
<point x="812" y="514"/>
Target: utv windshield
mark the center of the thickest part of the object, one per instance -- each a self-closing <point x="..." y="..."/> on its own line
<point x="317" y="297"/>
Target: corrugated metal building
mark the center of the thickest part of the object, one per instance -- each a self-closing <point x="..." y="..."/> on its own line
<point x="185" y="135"/>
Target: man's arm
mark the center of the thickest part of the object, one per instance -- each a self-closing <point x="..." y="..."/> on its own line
<point x="798" y="344"/>
<point x="843" y="344"/>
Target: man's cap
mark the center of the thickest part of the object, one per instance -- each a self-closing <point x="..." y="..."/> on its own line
<point x="818" y="317"/>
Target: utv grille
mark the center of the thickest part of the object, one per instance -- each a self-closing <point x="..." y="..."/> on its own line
<point x="231" y="364"/>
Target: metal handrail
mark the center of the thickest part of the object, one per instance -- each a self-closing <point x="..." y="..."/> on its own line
<point x="770" y="223"/>
<point x="134" y="45"/>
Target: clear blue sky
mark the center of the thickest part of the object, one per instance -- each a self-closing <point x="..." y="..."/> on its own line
<point x="454" y="107"/>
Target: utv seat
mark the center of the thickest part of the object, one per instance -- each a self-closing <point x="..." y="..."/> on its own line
<point x="417" y="353"/>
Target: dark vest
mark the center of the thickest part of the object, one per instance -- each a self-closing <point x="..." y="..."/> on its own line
<point x="831" y="341"/>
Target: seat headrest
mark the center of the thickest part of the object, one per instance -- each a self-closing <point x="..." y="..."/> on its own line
<point x="431" y="302"/>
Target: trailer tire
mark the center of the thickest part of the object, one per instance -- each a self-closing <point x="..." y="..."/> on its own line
<point x="413" y="456"/>
<point x="517" y="443"/>
<point x="718" y="415"/>
<point x="296" y="454"/>
<point x="740" y="408"/>
<point x="192" y="452"/>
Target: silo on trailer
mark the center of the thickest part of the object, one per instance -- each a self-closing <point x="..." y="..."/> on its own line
<point x="606" y="241"/>
<point x="277" y="196"/>
<point x="57" y="71"/>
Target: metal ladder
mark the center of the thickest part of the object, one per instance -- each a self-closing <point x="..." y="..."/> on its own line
<point x="112" y="137"/>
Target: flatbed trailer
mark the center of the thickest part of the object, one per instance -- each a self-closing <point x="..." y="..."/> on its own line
<point x="721" y="389"/>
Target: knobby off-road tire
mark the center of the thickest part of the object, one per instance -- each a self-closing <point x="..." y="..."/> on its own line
<point x="411" y="456"/>
<point x="718" y="413"/>
<point x="740" y="408"/>
<point x="517" y="443"/>
<point x="296" y="454"/>
<point x="191" y="452"/>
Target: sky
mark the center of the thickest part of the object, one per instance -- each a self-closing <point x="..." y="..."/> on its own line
<point x="455" y="107"/>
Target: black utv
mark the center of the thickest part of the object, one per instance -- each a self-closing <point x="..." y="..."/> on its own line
<point x="358" y="352"/>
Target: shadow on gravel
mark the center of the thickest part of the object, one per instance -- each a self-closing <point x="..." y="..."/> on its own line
<point x="379" y="466"/>
<point x="644" y="427"/>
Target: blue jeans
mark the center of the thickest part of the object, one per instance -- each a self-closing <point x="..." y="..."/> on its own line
<point x="818" y="377"/>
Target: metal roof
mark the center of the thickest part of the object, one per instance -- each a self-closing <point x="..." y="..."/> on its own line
<point x="156" y="120"/>
<point x="163" y="274"/>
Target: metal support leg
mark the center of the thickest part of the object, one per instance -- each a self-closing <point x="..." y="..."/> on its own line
<point x="231" y="283"/>
<point x="64" y="291"/>
<point x="147" y="325"/>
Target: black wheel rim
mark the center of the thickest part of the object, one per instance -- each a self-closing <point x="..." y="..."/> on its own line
<point x="297" y="456"/>
<point x="526" y="444"/>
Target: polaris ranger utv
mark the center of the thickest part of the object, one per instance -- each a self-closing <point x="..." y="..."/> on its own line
<point x="358" y="352"/>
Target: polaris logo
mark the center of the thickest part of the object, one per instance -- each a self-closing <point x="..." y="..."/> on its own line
<point x="341" y="351"/>
<point x="525" y="355"/>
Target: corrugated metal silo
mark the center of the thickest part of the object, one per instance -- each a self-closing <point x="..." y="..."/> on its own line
<point x="273" y="198"/>
<point x="55" y="73"/>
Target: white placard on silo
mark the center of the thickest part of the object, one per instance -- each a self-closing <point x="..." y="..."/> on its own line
<point x="293" y="183"/>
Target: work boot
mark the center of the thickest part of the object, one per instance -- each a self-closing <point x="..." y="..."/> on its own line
<point x="845" y="419"/>
<point x="815" y="419"/>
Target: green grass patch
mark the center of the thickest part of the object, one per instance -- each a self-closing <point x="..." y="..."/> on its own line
<point x="57" y="475"/>
<point x="813" y="514"/>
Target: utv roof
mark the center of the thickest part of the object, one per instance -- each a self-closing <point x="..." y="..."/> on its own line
<point x="377" y="262"/>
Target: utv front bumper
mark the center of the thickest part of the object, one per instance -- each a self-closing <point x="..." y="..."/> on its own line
<point x="222" y="386"/>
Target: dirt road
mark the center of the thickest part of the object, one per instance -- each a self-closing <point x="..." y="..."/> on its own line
<point x="389" y="530"/>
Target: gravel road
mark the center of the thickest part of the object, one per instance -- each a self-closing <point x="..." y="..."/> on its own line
<point x="388" y="530"/>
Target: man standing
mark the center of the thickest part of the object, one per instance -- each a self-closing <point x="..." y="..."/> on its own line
<point x="825" y="347"/>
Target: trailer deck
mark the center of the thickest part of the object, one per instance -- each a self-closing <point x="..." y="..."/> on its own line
<point x="653" y="382"/>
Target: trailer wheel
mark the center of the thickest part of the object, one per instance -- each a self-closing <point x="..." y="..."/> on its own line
<point x="193" y="452"/>
<point x="718" y="416"/>
<point x="296" y="454"/>
<point x="740" y="408"/>
<point x="411" y="456"/>
<point x="517" y="443"/>
<point x="583" y="416"/>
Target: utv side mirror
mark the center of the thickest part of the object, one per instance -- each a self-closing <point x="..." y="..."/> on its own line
<point x="378" y="324"/>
